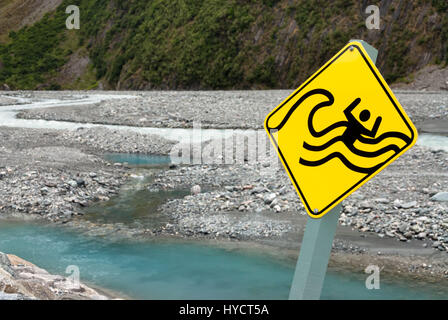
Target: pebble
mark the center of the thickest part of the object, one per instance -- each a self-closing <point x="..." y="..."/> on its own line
<point x="196" y="189"/>
<point x="441" y="197"/>
<point x="408" y="205"/>
<point x="73" y="183"/>
<point x="269" y="198"/>
<point x="436" y="244"/>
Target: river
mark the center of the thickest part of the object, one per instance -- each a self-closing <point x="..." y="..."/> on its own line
<point x="173" y="269"/>
<point x="185" y="270"/>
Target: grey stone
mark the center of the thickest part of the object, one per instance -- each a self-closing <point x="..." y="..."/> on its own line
<point x="257" y="190"/>
<point x="421" y="235"/>
<point x="423" y="211"/>
<point x="408" y="205"/>
<point x="4" y="260"/>
<point x="269" y="198"/>
<point x="390" y="234"/>
<point x="73" y="183"/>
<point x="5" y="264"/>
<point x="441" y="197"/>
<point x="436" y="244"/>
<point x="80" y="182"/>
<point x="397" y="203"/>
<point x="283" y="190"/>
<point x="408" y="234"/>
<point x="50" y="184"/>
<point x="403" y="227"/>
<point x="365" y="204"/>
<point x="196" y="189"/>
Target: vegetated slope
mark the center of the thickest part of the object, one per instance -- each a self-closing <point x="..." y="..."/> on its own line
<point x="15" y="14"/>
<point x="214" y="44"/>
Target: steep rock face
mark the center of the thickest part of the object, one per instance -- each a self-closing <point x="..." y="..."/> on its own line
<point x="187" y="44"/>
<point x="22" y="280"/>
<point x="15" y="14"/>
<point x="429" y="78"/>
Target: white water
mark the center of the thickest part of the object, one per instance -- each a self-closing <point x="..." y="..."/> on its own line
<point x="433" y="141"/>
<point x="8" y="118"/>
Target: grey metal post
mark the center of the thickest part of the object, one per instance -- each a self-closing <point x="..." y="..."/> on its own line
<point x="317" y="241"/>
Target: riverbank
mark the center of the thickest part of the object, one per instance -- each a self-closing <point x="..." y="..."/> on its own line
<point x="398" y="220"/>
<point x="22" y="280"/>
<point x="54" y="173"/>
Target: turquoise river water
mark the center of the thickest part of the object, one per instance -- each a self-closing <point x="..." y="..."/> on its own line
<point x="170" y="270"/>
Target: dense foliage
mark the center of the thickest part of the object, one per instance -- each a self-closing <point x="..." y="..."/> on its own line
<point x="34" y="53"/>
<point x="215" y="44"/>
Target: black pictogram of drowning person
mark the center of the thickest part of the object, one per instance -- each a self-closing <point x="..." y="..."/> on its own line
<point x="355" y="131"/>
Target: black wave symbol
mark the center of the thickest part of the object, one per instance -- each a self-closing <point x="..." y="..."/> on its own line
<point x="354" y="131"/>
<point x="344" y="160"/>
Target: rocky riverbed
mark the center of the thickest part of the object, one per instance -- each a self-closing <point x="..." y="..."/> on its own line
<point x="56" y="174"/>
<point x="406" y="201"/>
<point x="406" y="207"/>
<point x="214" y="109"/>
<point x="22" y="280"/>
<point x="53" y="174"/>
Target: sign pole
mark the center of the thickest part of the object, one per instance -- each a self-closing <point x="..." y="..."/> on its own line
<point x="317" y="242"/>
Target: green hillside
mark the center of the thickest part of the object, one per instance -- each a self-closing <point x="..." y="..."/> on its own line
<point x="213" y="44"/>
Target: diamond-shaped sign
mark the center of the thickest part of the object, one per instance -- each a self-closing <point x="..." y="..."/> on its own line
<point x="339" y="129"/>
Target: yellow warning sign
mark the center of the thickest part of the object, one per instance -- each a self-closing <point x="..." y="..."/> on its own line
<point x="339" y="129"/>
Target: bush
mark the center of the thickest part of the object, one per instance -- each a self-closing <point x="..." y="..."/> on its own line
<point x="33" y="52"/>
